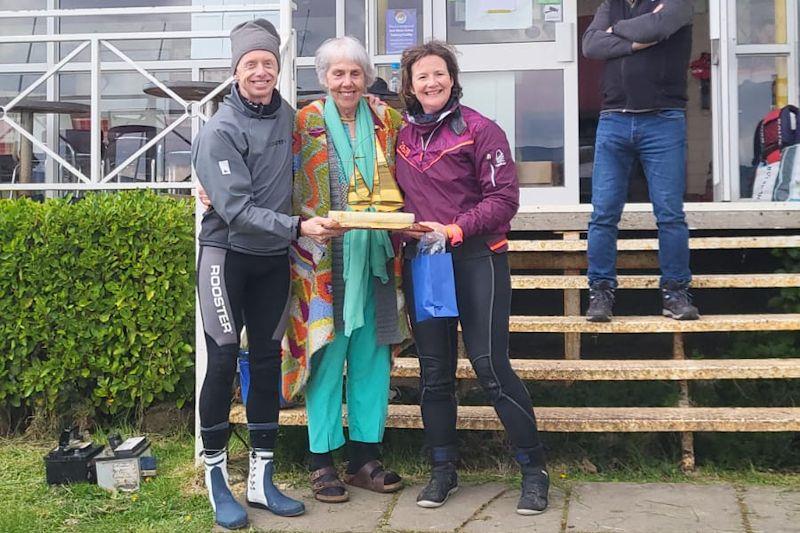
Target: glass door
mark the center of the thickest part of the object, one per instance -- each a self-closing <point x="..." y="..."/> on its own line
<point x="754" y="70"/>
<point x="519" y="64"/>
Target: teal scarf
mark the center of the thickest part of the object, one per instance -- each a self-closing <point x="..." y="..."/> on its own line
<point x="365" y="252"/>
<point x="363" y="153"/>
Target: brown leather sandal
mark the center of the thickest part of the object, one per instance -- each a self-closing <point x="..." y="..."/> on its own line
<point x="372" y="476"/>
<point x="318" y="485"/>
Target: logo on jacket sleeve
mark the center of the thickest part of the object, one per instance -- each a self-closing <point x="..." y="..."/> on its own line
<point x="403" y="149"/>
<point x="499" y="158"/>
<point x="225" y="167"/>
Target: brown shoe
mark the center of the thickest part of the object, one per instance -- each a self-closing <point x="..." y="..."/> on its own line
<point x="327" y="486"/>
<point x="372" y="476"/>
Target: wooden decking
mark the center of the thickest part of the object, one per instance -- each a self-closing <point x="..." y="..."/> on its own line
<point x="654" y="324"/>
<point x="627" y="369"/>
<point x="637" y="245"/>
<point x="701" y="281"/>
<point x="593" y="419"/>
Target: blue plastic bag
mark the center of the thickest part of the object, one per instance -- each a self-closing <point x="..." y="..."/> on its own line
<point x="434" y="284"/>
<point x="244" y="379"/>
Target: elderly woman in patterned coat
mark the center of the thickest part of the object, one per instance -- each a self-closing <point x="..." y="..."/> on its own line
<point x="345" y="301"/>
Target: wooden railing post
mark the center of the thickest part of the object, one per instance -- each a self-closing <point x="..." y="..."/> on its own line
<point x="572" y="307"/>
<point x="687" y="437"/>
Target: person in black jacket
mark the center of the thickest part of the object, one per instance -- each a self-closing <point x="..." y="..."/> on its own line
<point x="646" y="45"/>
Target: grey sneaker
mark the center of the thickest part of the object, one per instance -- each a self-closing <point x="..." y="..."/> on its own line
<point x="601" y="302"/>
<point x="535" y="486"/>
<point x="443" y="483"/>
<point x="677" y="301"/>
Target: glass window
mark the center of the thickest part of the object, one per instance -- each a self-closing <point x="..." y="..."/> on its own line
<point x="314" y="21"/>
<point x="391" y="74"/>
<point x="23" y="52"/>
<point x="215" y="74"/>
<point x="355" y="19"/>
<point x="161" y="49"/>
<point x="129" y="118"/>
<point x="308" y="87"/>
<point x="399" y="25"/>
<point x="10" y="86"/>
<point x="761" y="21"/>
<point x="138" y="50"/>
<point x="502" y="21"/>
<point x="531" y="105"/>
<point x="762" y="85"/>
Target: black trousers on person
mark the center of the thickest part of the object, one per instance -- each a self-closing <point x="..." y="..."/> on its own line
<point x="238" y="290"/>
<point x="483" y="291"/>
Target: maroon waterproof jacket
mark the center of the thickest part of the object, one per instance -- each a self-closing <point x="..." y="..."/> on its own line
<point x="459" y="170"/>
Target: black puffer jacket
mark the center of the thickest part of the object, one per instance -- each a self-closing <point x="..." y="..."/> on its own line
<point x="648" y="79"/>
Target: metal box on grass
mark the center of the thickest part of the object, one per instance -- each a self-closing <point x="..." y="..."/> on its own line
<point x="123" y="467"/>
<point x="72" y="461"/>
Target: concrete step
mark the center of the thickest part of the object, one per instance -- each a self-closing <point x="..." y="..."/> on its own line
<point x="701" y="281"/>
<point x="592" y="419"/>
<point x="695" y="243"/>
<point x="655" y="324"/>
<point x="627" y="369"/>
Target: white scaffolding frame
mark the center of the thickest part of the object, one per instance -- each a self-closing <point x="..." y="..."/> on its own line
<point x="96" y="42"/>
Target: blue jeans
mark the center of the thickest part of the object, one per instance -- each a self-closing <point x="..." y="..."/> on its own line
<point x="658" y="140"/>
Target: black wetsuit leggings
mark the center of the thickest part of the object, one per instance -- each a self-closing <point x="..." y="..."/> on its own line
<point x="238" y="290"/>
<point x="483" y="291"/>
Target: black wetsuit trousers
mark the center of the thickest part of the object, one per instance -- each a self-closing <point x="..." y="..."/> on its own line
<point x="483" y="291"/>
<point x="238" y="290"/>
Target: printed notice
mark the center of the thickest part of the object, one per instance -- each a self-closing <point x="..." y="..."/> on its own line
<point x="401" y="29"/>
<point x="498" y="14"/>
<point x="552" y="13"/>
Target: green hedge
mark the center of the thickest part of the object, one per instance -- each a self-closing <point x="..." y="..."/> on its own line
<point x="97" y="306"/>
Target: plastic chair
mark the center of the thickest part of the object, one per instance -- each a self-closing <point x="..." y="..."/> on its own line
<point x="123" y="141"/>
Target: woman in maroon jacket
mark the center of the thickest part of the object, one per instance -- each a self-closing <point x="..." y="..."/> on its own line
<point x="455" y="168"/>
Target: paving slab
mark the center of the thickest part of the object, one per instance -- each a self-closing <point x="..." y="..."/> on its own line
<point x="772" y="509"/>
<point x="361" y="514"/>
<point x="653" y="508"/>
<point x="408" y="516"/>
<point x="501" y="516"/>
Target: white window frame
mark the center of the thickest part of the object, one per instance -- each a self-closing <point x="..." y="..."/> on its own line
<point x="560" y="54"/>
<point x="726" y="52"/>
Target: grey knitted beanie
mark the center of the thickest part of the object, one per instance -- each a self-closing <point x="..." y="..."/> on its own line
<point x="257" y="34"/>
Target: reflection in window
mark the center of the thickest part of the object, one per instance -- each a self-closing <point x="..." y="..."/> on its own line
<point x="138" y="50"/>
<point x="308" y="87"/>
<point x="763" y="85"/>
<point x="129" y="119"/>
<point x="509" y="21"/>
<point x="399" y="25"/>
<point x="761" y="21"/>
<point x="355" y="19"/>
<point x="314" y="21"/>
<point x="10" y="86"/>
<point x="531" y="105"/>
<point x="23" y="52"/>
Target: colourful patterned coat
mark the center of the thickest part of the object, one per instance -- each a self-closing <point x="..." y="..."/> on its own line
<point x="311" y="323"/>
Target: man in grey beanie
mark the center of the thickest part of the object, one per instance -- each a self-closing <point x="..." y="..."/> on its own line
<point x="243" y="159"/>
<point x="255" y="44"/>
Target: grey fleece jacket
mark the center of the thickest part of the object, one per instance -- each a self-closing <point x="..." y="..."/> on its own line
<point x="243" y="159"/>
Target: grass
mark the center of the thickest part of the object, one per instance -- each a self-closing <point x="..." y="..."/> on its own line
<point x="175" y="500"/>
<point x="172" y="501"/>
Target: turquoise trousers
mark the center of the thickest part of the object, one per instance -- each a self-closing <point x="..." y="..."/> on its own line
<point x="367" y="388"/>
